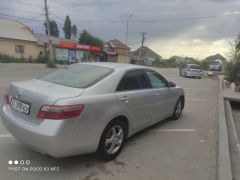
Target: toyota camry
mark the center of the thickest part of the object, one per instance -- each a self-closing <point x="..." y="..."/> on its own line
<point x="88" y="107"/>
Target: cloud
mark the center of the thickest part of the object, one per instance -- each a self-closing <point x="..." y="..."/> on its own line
<point x="174" y="34"/>
<point x="201" y="28"/>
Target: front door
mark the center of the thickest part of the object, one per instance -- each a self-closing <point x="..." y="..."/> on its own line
<point x="136" y="98"/>
<point x="164" y="95"/>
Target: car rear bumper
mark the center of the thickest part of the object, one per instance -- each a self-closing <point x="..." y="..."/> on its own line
<point x="57" y="138"/>
<point x="194" y="74"/>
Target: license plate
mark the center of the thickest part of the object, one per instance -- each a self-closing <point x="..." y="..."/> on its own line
<point x="20" y="106"/>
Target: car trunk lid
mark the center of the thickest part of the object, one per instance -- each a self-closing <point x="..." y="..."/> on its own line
<point x="36" y="93"/>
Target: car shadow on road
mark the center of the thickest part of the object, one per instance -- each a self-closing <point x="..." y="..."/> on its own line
<point x="86" y="162"/>
<point x="148" y="130"/>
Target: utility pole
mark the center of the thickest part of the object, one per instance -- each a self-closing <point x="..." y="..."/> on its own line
<point x="143" y="39"/>
<point x="127" y="36"/>
<point x="50" y="48"/>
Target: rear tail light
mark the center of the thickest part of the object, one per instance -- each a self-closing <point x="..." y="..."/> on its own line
<point x="6" y="96"/>
<point x="58" y="112"/>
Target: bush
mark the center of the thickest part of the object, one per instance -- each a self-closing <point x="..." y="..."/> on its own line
<point x="204" y="64"/>
<point x="62" y="62"/>
<point x="10" y="59"/>
<point x="51" y="64"/>
<point x="232" y="68"/>
<point x="42" y="59"/>
<point x="160" y="63"/>
<point x="4" y="58"/>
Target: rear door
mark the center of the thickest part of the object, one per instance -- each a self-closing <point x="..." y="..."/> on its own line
<point x="165" y="97"/>
<point x="136" y="98"/>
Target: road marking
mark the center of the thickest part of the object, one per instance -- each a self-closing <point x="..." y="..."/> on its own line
<point x="196" y="99"/>
<point x="174" y="130"/>
<point x="5" y="135"/>
<point x="196" y="88"/>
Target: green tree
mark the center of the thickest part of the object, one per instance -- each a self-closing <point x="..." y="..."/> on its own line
<point x="67" y="28"/>
<point x="232" y="68"/>
<point x="53" y="28"/>
<point x="74" y="31"/>
<point x="87" y="38"/>
<point x="204" y="64"/>
<point x="191" y="60"/>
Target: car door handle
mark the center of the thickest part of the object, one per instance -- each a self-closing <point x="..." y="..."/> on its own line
<point x="156" y="94"/>
<point x="125" y="99"/>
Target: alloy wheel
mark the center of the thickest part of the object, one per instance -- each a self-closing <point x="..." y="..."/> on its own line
<point x="114" y="139"/>
<point x="178" y="108"/>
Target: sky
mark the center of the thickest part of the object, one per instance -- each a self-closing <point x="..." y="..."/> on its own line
<point x="193" y="28"/>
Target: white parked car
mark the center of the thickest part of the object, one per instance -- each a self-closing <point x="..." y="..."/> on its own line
<point x="215" y="66"/>
<point x="191" y="70"/>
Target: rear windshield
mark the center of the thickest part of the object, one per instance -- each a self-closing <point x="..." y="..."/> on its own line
<point x="77" y="75"/>
<point x="194" y="67"/>
<point x="214" y="63"/>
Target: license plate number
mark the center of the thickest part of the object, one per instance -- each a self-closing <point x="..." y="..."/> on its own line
<point x="20" y="106"/>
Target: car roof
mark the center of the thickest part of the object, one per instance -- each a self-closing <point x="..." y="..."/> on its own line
<point x="113" y="65"/>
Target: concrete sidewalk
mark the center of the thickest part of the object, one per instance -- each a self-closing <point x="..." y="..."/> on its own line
<point x="230" y="95"/>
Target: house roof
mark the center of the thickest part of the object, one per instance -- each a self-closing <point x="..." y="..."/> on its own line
<point x="42" y="39"/>
<point x="214" y="57"/>
<point x="15" y="30"/>
<point x="146" y="53"/>
<point x="117" y="44"/>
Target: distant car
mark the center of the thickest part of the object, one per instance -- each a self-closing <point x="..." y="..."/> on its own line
<point x="191" y="70"/>
<point x="88" y="107"/>
<point x="215" y="66"/>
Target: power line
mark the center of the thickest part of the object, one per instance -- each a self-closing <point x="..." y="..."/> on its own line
<point x="21" y="18"/>
<point x="185" y="18"/>
<point x="56" y="16"/>
<point x="77" y="9"/>
<point x="134" y="43"/>
<point x="16" y="10"/>
<point x="59" y="23"/>
<point x="23" y="3"/>
<point x="163" y="20"/>
<point x="196" y="37"/>
<point x="202" y="35"/>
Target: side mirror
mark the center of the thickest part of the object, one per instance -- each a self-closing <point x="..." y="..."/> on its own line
<point x="171" y="84"/>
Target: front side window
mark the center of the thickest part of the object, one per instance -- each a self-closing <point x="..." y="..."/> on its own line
<point x="134" y="80"/>
<point x="19" y="49"/>
<point x="157" y="81"/>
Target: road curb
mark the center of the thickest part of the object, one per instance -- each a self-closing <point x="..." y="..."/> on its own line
<point x="233" y="128"/>
<point x="224" y="171"/>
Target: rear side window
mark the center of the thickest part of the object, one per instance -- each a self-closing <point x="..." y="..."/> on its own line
<point x="134" y="80"/>
<point x="78" y="75"/>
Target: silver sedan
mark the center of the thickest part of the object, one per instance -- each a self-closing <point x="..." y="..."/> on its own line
<point x="88" y="107"/>
<point x="191" y="70"/>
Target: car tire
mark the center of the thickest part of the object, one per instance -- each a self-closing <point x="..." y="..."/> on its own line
<point x="178" y="109"/>
<point x="185" y="75"/>
<point x="115" y="133"/>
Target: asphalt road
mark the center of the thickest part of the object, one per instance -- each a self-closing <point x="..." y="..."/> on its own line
<point x="175" y="150"/>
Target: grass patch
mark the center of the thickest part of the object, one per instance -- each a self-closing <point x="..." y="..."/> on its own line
<point x="51" y="64"/>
